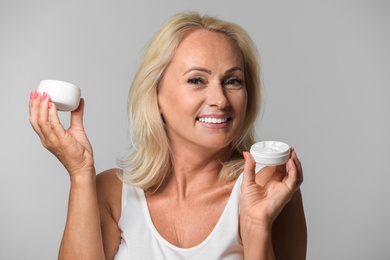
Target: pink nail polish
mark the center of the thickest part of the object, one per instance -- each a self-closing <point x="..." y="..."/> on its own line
<point x="35" y="95"/>
<point x="50" y="105"/>
<point x="243" y="154"/>
<point x="44" y="95"/>
<point x="31" y="95"/>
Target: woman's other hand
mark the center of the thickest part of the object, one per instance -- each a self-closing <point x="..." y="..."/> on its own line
<point x="70" y="146"/>
<point x="260" y="205"/>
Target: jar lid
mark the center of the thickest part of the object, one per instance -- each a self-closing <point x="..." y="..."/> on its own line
<point x="64" y="95"/>
<point x="58" y="83"/>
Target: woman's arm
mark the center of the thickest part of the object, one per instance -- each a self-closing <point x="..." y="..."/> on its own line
<point x="287" y="239"/>
<point x="289" y="231"/>
<point x="106" y="198"/>
<point x="256" y="239"/>
<point x="82" y="238"/>
<point x="262" y="200"/>
<point x="82" y="235"/>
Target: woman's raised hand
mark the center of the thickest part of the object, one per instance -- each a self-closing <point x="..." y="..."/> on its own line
<point x="260" y="205"/>
<point x="70" y="146"/>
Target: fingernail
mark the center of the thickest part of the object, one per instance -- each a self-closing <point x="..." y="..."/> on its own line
<point x="50" y="105"/>
<point x="244" y="154"/>
<point x="35" y="95"/>
<point x="44" y="95"/>
<point x="31" y="95"/>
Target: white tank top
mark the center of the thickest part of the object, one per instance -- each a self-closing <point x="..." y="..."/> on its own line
<point x="141" y="240"/>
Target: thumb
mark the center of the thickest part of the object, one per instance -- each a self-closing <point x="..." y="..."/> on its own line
<point x="249" y="170"/>
<point x="76" y="119"/>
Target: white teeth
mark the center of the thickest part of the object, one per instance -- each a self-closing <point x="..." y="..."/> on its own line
<point x="211" y="120"/>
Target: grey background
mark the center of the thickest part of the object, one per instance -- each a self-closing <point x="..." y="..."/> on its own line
<point x="326" y="73"/>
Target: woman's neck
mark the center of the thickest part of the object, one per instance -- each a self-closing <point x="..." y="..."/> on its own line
<point x="194" y="171"/>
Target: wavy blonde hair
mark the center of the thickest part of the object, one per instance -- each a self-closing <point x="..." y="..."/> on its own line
<point x="148" y="164"/>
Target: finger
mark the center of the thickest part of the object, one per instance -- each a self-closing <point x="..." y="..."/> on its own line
<point x="297" y="161"/>
<point x="298" y="164"/>
<point x="49" y="123"/>
<point x="43" y="108"/>
<point x="290" y="179"/>
<point x="299" y="167"/>
<point x="294" y="177"/>
<point x="53" y="113"/>
<point x="40" y="104"/>
<point x="34" y="111"/>
<point x="55" y="122"/>
<point x="43" y="116"/>
<point x="280" y="171"/>
<point x="249" y="170"/>
<point x="76" y="120"/>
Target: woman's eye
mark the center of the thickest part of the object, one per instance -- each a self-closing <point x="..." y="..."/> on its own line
<point x="196" y="81"/>
<point x="234" y="82"/>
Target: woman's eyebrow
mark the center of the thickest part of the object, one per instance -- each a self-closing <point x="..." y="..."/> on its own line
<point x="234" y="69"/>
<point x="209" y="71"/>
<point x="197" y="69"/>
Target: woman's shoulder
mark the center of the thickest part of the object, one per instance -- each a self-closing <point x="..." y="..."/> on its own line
<point x="109" y="191"/>
<point x="108" y="181"/>
<point x="109" y="177"/>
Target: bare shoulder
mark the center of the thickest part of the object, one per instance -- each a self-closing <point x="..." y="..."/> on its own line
<point x="109" y="191"/>
<point x="108" y="178"/>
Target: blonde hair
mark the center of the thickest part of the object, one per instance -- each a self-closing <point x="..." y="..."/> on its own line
<point x="148" y="164"/>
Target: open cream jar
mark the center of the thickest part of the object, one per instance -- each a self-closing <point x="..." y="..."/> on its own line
<point x="64" y="95"/>
<point x="270" y="153"/>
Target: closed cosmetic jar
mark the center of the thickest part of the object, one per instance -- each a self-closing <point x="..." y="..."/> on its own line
<point x="64" y="95"/>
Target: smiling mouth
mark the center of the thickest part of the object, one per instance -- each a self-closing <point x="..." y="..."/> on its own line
<point x="212" y="120"/>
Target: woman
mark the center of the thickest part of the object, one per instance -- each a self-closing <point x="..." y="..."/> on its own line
<point x="188" y="188"/>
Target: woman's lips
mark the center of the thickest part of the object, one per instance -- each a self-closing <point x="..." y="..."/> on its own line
<point x="214" y="121"/>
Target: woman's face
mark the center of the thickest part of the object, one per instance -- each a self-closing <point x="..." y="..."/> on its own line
<point x="202" y="95"/>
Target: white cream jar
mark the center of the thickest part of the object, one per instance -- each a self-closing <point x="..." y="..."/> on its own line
<point x="270" y="153"/>
<point x="64" y="95"/>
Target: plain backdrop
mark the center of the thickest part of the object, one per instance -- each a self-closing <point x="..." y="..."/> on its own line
<point x="326" y="77"/>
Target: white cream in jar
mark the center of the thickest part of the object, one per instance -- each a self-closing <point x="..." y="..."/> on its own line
<point x="270" y="153"/>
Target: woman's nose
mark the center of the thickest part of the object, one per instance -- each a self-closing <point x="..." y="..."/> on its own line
<point x="217" y="96"/>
